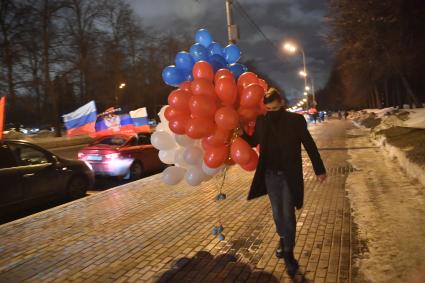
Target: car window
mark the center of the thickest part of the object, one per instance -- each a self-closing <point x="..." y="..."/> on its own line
<point x="114" y="140"/>
<point x="144" y="139"/>
<point x="7" y="159"/>
<point x="28" y="155"/>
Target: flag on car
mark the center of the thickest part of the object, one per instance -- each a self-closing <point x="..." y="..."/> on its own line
<point x="2" y="115"/>
<point x="140" y="120"/>
<point x="112" y="123"/>
<point x="82" y="121"/>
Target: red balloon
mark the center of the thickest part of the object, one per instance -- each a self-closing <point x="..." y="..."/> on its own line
<point x="199" y="127"/>
<point x="252" y="163"/>
<point x="203" y="70"/>
<point x="247" y="78"/>
<point x="248" y="114"/>
<point x="226" y="118"/>
<point x="240" y="151"/>
<point x="179" y="99"/>
<point x="263" y="84"/>
<point x="202" y="106"/>
<point x="223" y="73"/>
<point x="215" y="156"/>
<point x="262" y="108"/>
<point x="252" y="95"/>
<point x="185" y="85"/>
<point x="226" y="90"/>
<point x="203" y="87"/>
<point x="219" y="137"/>
<point x="205" y="144"/>
<point x="171" y="113"/>
<point x="178" y="125"/>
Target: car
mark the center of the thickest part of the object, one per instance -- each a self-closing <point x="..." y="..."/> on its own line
<point x="120" y="155"/>
<point x="31" y="175"/>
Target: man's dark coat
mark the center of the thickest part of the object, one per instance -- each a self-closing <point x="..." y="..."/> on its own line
<point x="292" y="133"/>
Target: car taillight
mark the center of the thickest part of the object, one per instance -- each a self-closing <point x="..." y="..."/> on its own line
<point x="80" y="155"/>
<point x="113" y="156"/>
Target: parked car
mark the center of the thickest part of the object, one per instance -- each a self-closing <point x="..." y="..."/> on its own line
<point x="31" y="175"/>
<point x="128" y="156"/>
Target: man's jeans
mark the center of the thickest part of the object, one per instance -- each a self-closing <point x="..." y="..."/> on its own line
<point x="282" y="207"/>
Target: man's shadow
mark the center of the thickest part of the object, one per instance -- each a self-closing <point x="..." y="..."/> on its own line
<point x="204" y="267"/>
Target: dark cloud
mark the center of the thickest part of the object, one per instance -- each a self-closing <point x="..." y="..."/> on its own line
<point x="300" y="20"/>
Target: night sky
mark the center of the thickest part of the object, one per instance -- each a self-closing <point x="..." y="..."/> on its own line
<point x="300" y="20"/>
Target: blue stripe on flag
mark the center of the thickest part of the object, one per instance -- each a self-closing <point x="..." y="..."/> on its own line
<point x="140" y="121"/>
<point x="81" y="121"/>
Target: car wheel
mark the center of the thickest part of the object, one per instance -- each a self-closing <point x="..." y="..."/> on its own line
<point x="77" y="187"/>
<point x="136" y="171"/>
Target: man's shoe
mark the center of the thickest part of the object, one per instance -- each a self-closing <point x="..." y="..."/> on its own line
<point x="279" y="250"/>
<point x="291" y="263"/>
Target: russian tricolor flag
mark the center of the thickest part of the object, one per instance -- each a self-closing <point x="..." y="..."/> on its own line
<point x="140" y="120"/>
<point x="114" y="124"/>
<point x="82" y="121"/>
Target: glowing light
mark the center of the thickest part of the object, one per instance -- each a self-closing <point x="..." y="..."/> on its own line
<point x="122" y="85"/>
<point x="307" y="88"/>
<point x="291" y="48"/>
<point x="303" y="74"/>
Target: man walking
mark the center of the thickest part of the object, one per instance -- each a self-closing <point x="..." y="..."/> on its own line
<point x="279" y="172"/>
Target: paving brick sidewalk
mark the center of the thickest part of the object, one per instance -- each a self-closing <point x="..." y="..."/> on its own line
<point x="148" y="232"/>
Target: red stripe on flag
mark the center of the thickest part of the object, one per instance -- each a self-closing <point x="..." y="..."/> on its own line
<point x="87" y="129"/>
<point x="2" y="115"/>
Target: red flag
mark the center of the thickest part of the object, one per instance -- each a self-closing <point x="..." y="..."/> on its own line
<point x="2" y="104"/>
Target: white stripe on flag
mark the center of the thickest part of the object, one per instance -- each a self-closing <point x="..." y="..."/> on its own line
<point x="82" y="111"/>
<point x="141" y="112"/>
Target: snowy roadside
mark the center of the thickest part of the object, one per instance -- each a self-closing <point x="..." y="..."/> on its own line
<point x="401" y="133"/>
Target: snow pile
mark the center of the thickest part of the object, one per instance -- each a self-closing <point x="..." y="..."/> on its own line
<point x="380" y="119"/>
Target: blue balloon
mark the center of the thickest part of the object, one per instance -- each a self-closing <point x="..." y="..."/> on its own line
<point x="237" y="69"/>
<point x="217" y="62"/>
<point x="232" y="53"/>
<point x="203" y="37"/>
<point x="198" y="52"/>
<point x="184" y="61"/>
<point x="172" y="76"/>
<point x="216" y="48"/>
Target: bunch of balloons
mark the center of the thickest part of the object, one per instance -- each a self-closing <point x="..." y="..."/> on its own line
<point x="215" y="98"/>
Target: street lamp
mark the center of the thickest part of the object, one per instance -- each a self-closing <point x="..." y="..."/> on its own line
<point x="303" y="74"/>
<point x="307" y="88"/>
<point x="305" y="93"/>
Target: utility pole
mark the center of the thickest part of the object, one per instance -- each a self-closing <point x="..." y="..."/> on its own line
<point x="232" y="29"/>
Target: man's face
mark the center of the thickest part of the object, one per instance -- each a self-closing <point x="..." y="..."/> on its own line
<point x="275" y="105"/>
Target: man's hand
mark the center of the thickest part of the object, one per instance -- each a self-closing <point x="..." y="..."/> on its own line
<point x="321" y="178"/>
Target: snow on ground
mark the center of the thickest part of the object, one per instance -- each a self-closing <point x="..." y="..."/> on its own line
<point x="389" y="209"/>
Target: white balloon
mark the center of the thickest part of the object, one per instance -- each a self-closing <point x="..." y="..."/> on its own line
<point x="163" y="141"/>
<point x="184" y="140"/>
<point x="193" y="155"/>
<point x="194" y="176"/>
<point x="163" y="127"/>
<point x="211" y="171"/>
<point x="167" y="156"/>
<point x="179" y="158"/>
<point x="161" y="113"/>
<point x="173" y="175"/>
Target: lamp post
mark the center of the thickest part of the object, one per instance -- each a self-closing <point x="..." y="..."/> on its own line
<point x="292" y="48"/>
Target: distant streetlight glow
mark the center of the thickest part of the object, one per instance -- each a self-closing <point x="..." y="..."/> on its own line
<point x="307" y="88"/>
<point x="291" y="48"/>
<point x="305" y="99"/>
<point x="305" y="93"/>
<point x="122" y="85"/>
<point x="303" y="74"/>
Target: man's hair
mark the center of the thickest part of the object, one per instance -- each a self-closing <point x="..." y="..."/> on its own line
<point x="273" y="94"/>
